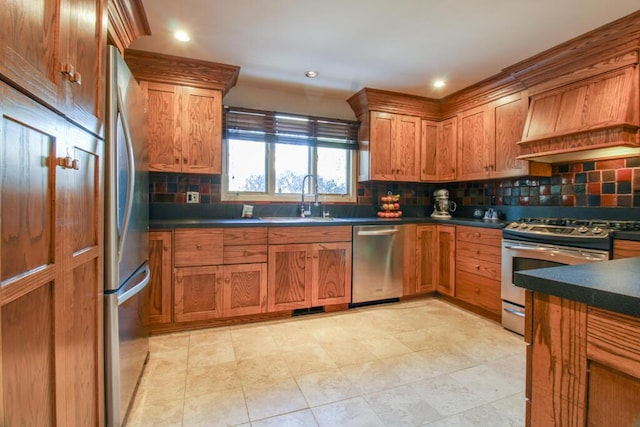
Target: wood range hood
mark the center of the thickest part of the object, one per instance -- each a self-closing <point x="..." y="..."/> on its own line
<point x="584" y="97"/>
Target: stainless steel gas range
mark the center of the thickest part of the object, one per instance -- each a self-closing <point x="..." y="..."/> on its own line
<point x="530" y="243"/>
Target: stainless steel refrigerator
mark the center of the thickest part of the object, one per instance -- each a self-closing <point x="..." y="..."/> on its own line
<point x="126" y="255"/>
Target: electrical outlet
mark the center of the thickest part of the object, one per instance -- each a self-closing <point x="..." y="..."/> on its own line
<point x="193" y="197"/>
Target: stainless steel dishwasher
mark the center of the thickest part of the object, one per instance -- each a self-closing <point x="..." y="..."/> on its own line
<point x="377" y="262"/>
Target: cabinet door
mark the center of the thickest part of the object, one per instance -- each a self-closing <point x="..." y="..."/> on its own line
<point x="510" y="115"/>
<point x="82" y="298"/>
<point x="198" y="293"/>
<point x="165" y="149"/>
<point x="160" y="250"/>
<point x="201" y="130"/>
<point x="446" y="238"/>
<point x="447" y="148"/>
<point x="429" y="151"/>
<point x="427" y="258"/>
<point x="475" y="144"/>
<point x="82" y="43"/>
<point x="289" y="283"/>
<point x="381" y="146"/>
<point x="29" y="42"/>
<point x="406" y="148"/>
<point x="245" y="289"/>
<point x="331" y="273"/>
<point x="32" y="268"/>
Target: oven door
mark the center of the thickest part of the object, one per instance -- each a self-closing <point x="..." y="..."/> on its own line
<point x="521" y="256"/>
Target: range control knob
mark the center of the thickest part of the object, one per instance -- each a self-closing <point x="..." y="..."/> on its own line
<point x="596" y="230"/>
<point x="513" y="225"/>
<point x="583" y="229"/>
<point x="524" y="226"/>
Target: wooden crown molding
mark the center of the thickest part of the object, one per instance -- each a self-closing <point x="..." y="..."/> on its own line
<point x="369" y="99"/>
<point x="156" y="67"/>
<point x="127" y="22"/>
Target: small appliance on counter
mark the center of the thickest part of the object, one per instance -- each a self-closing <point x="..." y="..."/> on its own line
<point x="442" y="206"/>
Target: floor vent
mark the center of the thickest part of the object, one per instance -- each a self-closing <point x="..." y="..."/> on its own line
<point x="366" y="303"/>
<point x="305" y="311"/>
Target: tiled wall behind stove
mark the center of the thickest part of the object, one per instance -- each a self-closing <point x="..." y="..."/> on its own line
<point x="606" y="183"/>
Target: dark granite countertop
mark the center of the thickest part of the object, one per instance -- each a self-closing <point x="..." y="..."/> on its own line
<point x="160" y="224"/>
<point x="610" y="285"/>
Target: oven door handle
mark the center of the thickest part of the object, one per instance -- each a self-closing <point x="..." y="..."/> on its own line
<point x="577" y="255"/>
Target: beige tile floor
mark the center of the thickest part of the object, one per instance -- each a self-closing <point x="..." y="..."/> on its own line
<point x="417" y="363"/>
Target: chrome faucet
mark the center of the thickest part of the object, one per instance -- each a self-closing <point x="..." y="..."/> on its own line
<point x="303" y="212"/>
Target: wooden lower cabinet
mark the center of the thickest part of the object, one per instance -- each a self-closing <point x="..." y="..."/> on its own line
<point x="289" y="285"/>
<point x="198" y="293"/>
<point x="309" y="274"/>
<point x="583" y="364"/>
<point x="446" y="252"/>
<point x="245" y="289"/>
<point x="160" y="289"/>
<point x="331" y="274"/>
<point x="426" y="258"/>
<point x="478" y="267"/>
<point x="625" y="249"/>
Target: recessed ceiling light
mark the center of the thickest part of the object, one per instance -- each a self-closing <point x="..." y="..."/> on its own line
<point x="438" y="83"/>
<point x="182" y="36"/>
<point x="311" y="74"/>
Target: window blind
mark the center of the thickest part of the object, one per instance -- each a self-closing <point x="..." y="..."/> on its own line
<point x="283" y="128"/>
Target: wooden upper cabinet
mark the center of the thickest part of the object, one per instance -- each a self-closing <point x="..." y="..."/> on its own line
<point x="185" y="128"/>
<point x="488" y="138"/>
<point x="391" y="151"/>
<point x="509" y="116"/>
<point x="55" y="51"/>
<point x="438" y="151"/>
<point x="476" y="146"/>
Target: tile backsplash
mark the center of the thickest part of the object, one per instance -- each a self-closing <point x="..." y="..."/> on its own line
<point x="605" y="183"/>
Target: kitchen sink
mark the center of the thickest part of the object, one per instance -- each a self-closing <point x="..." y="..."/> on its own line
<point x="298" y="219"/>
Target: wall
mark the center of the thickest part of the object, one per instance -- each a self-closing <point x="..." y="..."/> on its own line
<point x="606" y="183"/>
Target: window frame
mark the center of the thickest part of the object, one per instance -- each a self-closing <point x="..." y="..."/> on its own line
<point x="270" y="195"/>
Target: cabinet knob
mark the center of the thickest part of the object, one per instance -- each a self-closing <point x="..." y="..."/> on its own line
<point x="477" y="290"/>
<point x="198" y="246"/>
<point x="477" y="267"/>
<point x="72" y="75"/>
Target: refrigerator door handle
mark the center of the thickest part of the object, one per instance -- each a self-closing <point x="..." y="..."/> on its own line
<point x="137" y="288"/>
<point x="128" y="207"/>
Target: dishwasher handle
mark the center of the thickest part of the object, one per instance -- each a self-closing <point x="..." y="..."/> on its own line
<point x="377" y="232"/>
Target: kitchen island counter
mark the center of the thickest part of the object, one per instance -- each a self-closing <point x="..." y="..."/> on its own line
<point x="610" y="285"/>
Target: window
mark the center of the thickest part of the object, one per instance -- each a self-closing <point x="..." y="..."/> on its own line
<point x="268" y="154"/>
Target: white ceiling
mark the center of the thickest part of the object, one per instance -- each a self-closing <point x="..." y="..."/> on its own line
<point x="396" y="45"/>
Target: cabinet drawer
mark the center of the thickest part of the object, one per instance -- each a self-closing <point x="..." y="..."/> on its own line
<point x="491" y="270"/>
<point x="478" y="290"/>
<point x="198" y="247"/>
<point x="245" y="236"/>
<point x="479" y="251"/>
<point x="286" y="235"/>
<point x="483" y="236"/>
<point x="245" y="254"/>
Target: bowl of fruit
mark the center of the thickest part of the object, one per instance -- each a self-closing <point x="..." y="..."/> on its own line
<point x="390" y="206"/>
